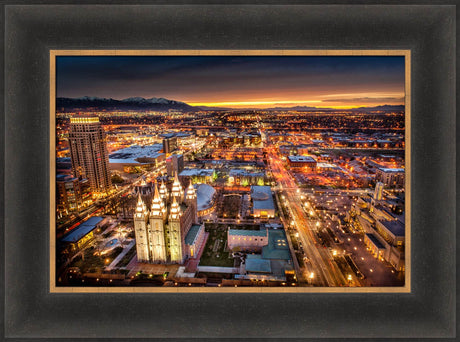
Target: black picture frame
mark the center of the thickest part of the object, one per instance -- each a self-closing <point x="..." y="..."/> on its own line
<point x="30" y="311"/>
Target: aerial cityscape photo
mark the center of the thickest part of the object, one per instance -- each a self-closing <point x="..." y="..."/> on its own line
<point x="230" y="171"/>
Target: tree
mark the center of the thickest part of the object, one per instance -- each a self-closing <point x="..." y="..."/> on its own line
<point x="117" y="179"/>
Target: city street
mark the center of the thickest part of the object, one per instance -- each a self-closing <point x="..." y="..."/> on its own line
<point x="323" y="269"/>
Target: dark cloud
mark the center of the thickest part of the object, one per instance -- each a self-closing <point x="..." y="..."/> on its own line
<point x="235" y="78"/>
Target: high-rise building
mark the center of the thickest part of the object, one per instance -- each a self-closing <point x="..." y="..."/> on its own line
<point x="174" y="164"/>
<point x="169" y="143"/>
<point x="88" y="152"/>
<point x="164" y="234"/>
<point x="71" y="193"/>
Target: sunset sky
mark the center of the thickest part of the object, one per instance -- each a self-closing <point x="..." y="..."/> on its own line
<point x="238" y="82"/>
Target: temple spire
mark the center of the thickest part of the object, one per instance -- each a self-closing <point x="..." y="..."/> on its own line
<point x="156" y="192"/>
<point x="175" y="212"/>
<point x="158" y="208"/>
<point x="177" y="190"/>
<point x="191" y="193"/>
<point x="163" y="191"/>
<point x="141" y="209"/>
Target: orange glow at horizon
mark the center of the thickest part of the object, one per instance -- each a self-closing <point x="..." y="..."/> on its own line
<point x="345" y="101"/>
<point x="251" y="103"/>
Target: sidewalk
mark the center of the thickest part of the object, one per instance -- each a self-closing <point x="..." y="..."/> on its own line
<point x="218" y="269"/>
<point x="192" y="263"/>
<point x="120" y="256"/>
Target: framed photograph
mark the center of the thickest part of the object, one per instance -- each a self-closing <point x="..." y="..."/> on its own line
<point x="287" y="171"/>
<point x="229" y="171"/>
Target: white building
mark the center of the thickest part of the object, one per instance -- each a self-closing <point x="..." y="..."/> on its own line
<point x="390" y="177"/>
<point x="262" y="200"/>
<point x="161" y="230"/>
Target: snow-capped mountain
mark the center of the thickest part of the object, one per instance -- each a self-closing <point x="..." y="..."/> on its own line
<point x="132" y="103"/>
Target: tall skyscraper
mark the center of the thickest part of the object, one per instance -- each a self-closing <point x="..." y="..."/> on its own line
<point x="169" y="143"/>
<point x="174" y="164"/>
<point x="88" y="152"/>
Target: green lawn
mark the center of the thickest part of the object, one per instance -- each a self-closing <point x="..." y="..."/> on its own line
<point x="231" y="206"/>
<point x="92" y="262"/>
<point x="215" y="252"/>
<point x="209" y="227"/>
<point x="127" y="258"/>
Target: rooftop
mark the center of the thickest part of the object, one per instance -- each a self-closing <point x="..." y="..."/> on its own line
<point x="384" y="169"/>
<point x="327" y="166"/>
<point x="196" y="172"/>
<point x="240" y="172"/>
<point x="272" y="225"/>
<point x="204" y="196"/>
<point x="247" y="232"/>
<point x="192" y="234"/>
<point x="375" y="241"/>
<point x="184" y="135"/>
<point x="277" y="247"/>
<point x="255" y="264"/>
<point x="396" y="227"/>
<point x="129" y="154"/>
<point x="262" y="197"/>
<point x="301" y="159"/>
<point x="83" y="229"/>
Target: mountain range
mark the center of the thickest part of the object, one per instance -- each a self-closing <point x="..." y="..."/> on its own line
<point x="132" y="103"/>
<point x="161" y="104"/>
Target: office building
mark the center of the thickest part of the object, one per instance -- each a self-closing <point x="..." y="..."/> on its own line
<point x="72" y="194"/>
<point x="305" y="163"/>
<point x="169" y="143"/>
<point x="88" y="152"/>
<point x="174" y="164"/>
<point x="391" y="177"/>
